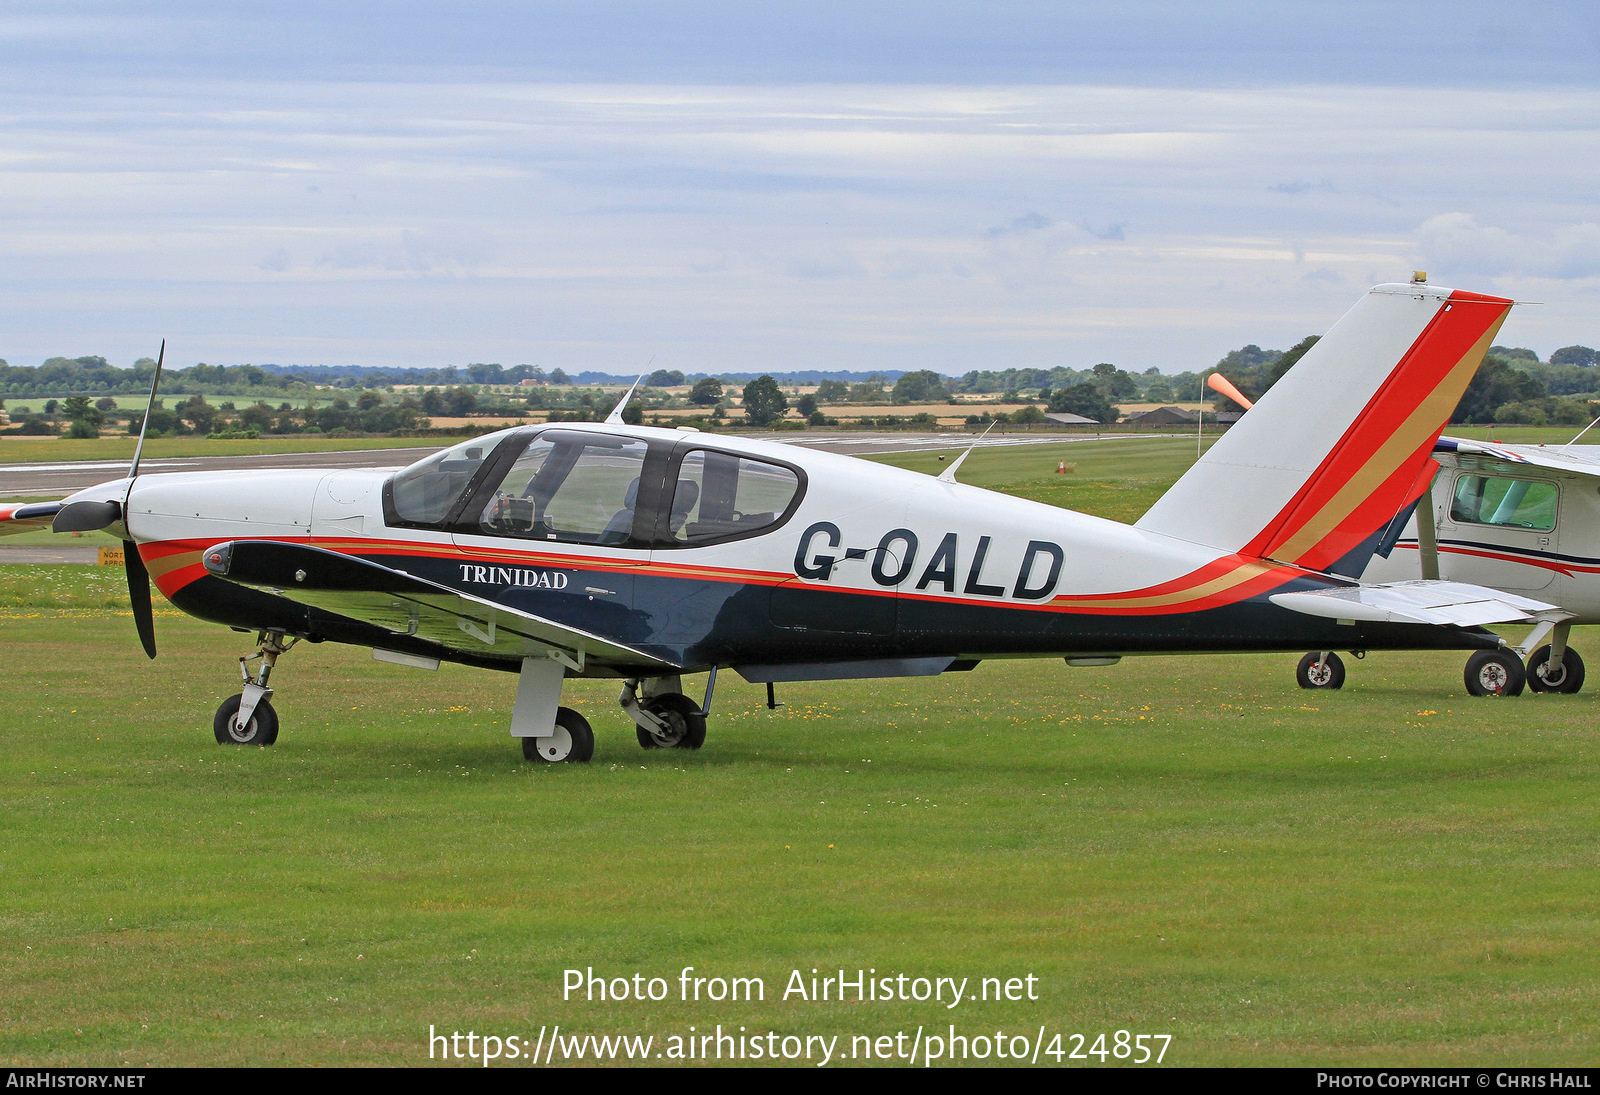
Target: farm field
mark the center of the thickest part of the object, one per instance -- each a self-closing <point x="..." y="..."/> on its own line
<point x="1391" y="874"/>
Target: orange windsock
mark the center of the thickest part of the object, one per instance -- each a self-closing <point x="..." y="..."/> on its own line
<point x="1219" y="383"/>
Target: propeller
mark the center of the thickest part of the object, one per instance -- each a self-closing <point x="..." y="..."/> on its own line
<point x="132" y="565"/>
<point x="139" y="596"/>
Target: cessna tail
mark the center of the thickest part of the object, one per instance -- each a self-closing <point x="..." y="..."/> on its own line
<point x="603" y="550"/>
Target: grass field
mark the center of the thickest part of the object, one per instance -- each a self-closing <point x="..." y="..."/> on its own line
<point x="51" y="450"/>
<point x="1390" y="874"/>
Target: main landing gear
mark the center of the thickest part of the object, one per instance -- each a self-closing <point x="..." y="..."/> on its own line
<point x="572" y="741"/>
<point x="664" y="718"/>
<point x="1553" y="667"/>
<point x="248" y="718"/>
<point x="1320" y="669"/>
<point x="1566" y="675"/>
<point x="1495" y="673"/>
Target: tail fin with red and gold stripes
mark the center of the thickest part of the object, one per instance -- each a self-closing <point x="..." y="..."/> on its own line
<point x="1315" y="472"/>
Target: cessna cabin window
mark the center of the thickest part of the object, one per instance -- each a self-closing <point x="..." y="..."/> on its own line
<point x="572" y="487"/>
<point x="1510" y="503"/>
<point x="720" y="496"/>
<point x="423" y="493"/>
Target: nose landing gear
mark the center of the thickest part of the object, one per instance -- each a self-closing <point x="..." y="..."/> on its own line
<point x="248" y="718"/>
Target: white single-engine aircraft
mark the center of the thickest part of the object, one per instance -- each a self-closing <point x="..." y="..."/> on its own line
<point x="1523" y="518"/>
<point x="647" y="554"/>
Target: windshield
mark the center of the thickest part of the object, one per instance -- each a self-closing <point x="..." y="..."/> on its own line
<point x="424" y="492"/>
<point x="581" y="488"/>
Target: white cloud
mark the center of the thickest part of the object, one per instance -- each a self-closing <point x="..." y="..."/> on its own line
<point x="1457" y="243"/>
<point x="736" y="227"/>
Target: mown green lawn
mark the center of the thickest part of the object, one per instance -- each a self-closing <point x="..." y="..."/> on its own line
<point x="1390" y="874"/>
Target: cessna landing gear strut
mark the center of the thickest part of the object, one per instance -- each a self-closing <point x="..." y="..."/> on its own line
<point x="248" y="718"/>
<point x="1320" y="669"/>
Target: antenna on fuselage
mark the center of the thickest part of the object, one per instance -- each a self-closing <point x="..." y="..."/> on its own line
<point x="615" y="417"/>
<point x="949" y="474"/>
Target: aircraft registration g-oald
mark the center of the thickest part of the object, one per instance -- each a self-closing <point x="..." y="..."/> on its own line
<point x="643" y="554"/>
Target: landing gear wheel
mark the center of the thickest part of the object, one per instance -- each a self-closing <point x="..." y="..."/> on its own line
<point x="573" y="741"/>
<point x="1544" y="677"/>
<point x="1330" y="674"/>
<point x="263" y="728"/>
<point x="1495" y="673"/>
<point x="686" y="726"/>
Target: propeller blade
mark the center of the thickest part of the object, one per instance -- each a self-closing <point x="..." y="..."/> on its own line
<point x="139" y="596"/>
<point x="144" y="427"/>
<point x="86" y="516"/>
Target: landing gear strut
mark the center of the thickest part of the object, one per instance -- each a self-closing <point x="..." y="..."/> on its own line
<point x="665" y="719"/>
<point x="1564" y="676"/>
<point x="1320" y="669"/>
<point x="1555" y="667"/>
<point x="248" y="718"/>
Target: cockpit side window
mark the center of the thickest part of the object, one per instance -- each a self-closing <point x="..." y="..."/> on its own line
<point x="570" y="487"/>
<point x="1510" y="503"/>
<point x="424" y="493"/>
<point x="722" y="496"/>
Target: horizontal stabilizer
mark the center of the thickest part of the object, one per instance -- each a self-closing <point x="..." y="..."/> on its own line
<point x="1419" y="602"/>
<point x="407" y="605"/>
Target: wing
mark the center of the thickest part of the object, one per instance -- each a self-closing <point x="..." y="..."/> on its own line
<point x="27" y="517"/>
<point x="406" y="605"/>
<point x="1419" y="602"/>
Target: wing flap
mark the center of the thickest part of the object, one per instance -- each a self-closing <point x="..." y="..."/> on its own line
<point x="1455" y="604"/>
<point x="407" y="605"/>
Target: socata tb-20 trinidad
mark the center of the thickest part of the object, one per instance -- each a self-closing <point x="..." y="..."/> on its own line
<point x="644" y="554"/>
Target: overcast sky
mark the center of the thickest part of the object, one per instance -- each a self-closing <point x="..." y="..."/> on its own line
<point x="746" y="186"/>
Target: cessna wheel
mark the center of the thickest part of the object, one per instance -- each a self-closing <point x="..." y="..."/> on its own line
<point x="263" y="728"/>
<point x="573" y="741"/>
<point x="1330" y="674"/>
<point x="1495" y="673"/>
<point x="686" y="726"/>
<point x="1544" y="677"/>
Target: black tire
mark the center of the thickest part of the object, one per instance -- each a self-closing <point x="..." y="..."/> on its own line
<point x="686" y="725"/>
<point x="572" y="743"/>
<point x="263" y="728"/>
<point x="1495" y="673"/>
<point x="1331" y="675"/>
<point x="1566" y="677"/>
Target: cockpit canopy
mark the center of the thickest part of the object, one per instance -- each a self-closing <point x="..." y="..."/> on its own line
<point x="594" y="487"/>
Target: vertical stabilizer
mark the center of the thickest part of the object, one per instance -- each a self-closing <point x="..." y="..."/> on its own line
<point x="1314" y="473"/>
